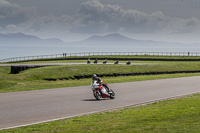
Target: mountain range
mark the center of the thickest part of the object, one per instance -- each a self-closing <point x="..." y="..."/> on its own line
<point x="23" y="39"/>
<point x="120" y="40"/>
<point x="107" y="40"/>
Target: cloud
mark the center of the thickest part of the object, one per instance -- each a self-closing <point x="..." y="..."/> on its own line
<point x="178" y="25"/>
<point x="53" y="23"/>
<point x="13" y="14"/>
<point x="11" y="28"/>
<point x="96" y="17"/>
<point x="93" y="17"/>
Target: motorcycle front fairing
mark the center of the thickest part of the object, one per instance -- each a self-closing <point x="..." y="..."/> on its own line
<point x="104" y="93"/>
<point x="95" y="85"/>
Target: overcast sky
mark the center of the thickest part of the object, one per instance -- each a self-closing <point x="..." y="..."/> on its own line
<point x="71" y="20"/>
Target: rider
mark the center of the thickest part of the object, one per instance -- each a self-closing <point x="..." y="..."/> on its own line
<point x="97" y="80"/>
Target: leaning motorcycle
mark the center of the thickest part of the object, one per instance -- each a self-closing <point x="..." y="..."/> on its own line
<point x="101" y="92"/>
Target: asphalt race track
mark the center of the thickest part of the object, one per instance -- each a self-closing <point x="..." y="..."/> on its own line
<point x="31" y="107"/>
<point x="60" y="64"/>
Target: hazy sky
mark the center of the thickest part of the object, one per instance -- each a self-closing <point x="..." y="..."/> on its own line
<point x="71" y="20"/>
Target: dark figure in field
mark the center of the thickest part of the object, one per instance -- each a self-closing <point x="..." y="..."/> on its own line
<point x="105" y="61"/>
<point x="96" y="61"/>
<point x="117" y="62"/>
<point x="88" y="61"/>
<point x="128" y="63"/>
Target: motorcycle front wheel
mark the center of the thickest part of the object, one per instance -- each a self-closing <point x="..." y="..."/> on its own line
<point x="97" y="95"/>
<point x="112" y="95"/>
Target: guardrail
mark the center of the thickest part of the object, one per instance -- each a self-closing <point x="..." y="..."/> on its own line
<point x="24" y="58"/>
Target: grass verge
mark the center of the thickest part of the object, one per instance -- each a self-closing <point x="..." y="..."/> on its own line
<point x="33" y="79"/>
<point x="70" y="58"/>
<point x="178" y="115"/>
<point x="21" y="85"/>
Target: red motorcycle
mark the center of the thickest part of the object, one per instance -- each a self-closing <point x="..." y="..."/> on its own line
<point x="102" y="91"/>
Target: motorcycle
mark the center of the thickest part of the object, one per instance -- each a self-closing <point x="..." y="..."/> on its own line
<point x="102" y="91"/>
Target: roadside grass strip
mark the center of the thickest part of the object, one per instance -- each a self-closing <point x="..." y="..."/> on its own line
<point x="178" y="115"/>
<point x="34" y="79"/>
<point x="175" y="115"/>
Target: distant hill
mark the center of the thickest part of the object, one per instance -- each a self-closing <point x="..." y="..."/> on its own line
<point x="109" y="38"/>
<point x="95" y="40"/>
<point x="120" y="40"/>
<point x="23" y="39"/>
<point x="115" y="40"/>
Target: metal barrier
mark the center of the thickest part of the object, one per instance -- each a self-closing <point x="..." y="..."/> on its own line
<point x="24" y="58"/>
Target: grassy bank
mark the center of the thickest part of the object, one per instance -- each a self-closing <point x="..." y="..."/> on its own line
<point x="33" y="79"/>
<point x="139" y="56"/>
<point x="109" y="57"/>
<point x="73" y="70"/>
<point x="179" y="115"/>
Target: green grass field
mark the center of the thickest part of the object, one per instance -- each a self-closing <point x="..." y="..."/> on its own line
<point x="139" y="56"/>
<point x="178" y="115"/>
<point x="33" y="79"/>
<point x="66" y="59"/>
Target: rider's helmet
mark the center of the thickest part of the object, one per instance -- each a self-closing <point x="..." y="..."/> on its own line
<point x="94" y="77"/>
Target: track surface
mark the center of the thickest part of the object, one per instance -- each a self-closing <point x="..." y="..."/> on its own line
<point x="31" y="107"/>
<point x="58" y="64"/>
